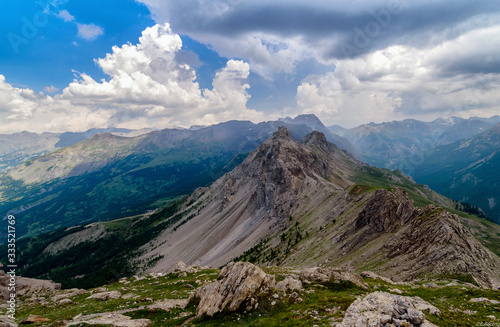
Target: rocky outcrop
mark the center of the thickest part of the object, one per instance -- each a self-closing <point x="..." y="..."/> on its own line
<point x="181" y="268"/>
<point x="322" y="275"/>
<point x="290" y="283"/>
<point x="26" y="286"/>
<point x="423" y="241"/>
<point x="238" y="287"/>
<point x="385" y="309"/>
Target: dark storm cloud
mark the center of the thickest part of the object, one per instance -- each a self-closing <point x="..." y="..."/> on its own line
<point x="358" y="29"/>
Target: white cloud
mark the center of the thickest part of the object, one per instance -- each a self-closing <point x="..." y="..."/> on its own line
<point x="147" y="84"/>
<point x="402" y="81"/>
<point x="89" y="31"/>
<point x="22" y="109"/>
<point x="51" y="89"/>
<point x="147" y="87"/>
<point x="65" y="16"/>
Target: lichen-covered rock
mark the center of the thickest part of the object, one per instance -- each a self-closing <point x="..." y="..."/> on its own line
<point x="290" y="283"/>
<point x="380" y="309"/>
<point x="238" y="287"/>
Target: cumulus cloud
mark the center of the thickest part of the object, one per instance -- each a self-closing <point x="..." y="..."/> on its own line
<point x="23" y="109"/>
<point x="452" y="78"/>
<point x="149" y="84"/>
<point x="89" y="31"/>
<point x="65" y="16"/>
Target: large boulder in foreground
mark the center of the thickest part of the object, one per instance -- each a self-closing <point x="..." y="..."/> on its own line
<point x="238" y="287"/>
<point x="385" y="309"/>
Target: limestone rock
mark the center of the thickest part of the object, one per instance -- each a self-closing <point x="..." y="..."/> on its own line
<point x="380" y="309"/>
<point x="33" y="319"/>
<point x="7" y="322"/>
<point x="289" y="284"/>
<point x="104" y="296"/>
<point x="181" y="267"/>
<point x="238" y="287"/>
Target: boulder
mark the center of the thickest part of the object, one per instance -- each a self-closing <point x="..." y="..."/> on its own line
<point x="181" y="267"/>
<point x="238" y="287"/>
<point x="290" y="283"/>
<point x="382" y="309"/>
<point x="33" y="319"/>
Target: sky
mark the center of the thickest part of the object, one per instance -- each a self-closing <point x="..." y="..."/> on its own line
<point x="72" y="65"/>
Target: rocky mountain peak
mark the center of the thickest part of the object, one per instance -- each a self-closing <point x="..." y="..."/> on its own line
<point x="281" y="134"/>
<point x="315" y="138"/>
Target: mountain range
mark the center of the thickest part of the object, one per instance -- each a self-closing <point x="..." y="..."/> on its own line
<point x="439" y="154"/>
<point x="19" y="147"/>
<point x="288" y="203"/>
<point x="108" y="176"/>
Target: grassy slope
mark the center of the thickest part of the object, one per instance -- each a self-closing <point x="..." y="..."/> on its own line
<point x="323" y="303"/>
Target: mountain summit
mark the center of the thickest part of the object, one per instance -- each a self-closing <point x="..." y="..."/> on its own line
<point x="301" y="204"/>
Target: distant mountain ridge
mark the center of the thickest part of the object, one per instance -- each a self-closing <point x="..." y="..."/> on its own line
<point x="385" y="144"/>
<point x="108" y="176"/>
<point x="19" y="147"/>
<point x="467" y="170"/>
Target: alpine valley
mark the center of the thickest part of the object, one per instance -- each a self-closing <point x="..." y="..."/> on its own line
<point x="270" y="224"/>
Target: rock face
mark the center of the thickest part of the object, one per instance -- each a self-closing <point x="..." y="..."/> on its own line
<point x="384" y="309"/>
<point x="425" y="240"/>
<point x="238" y="287"/>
